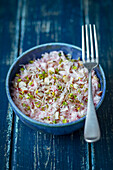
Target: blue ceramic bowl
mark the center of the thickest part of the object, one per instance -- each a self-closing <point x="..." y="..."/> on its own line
<point x="57" y="129"/>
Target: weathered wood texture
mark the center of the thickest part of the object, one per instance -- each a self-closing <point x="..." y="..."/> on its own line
<point x="101" y="13"/>
<point x="24" y="24"/>
<point x="43" y="22"/>
<point x="8" y="51"/>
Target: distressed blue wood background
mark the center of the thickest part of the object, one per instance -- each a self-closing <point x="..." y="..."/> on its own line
<point x="24" y="24"/>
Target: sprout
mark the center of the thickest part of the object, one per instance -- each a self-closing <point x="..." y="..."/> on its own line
<point x="20" y="96"/>
<point x="30" y="83"/>
<point x="37" y="91"/>
<point x="74" y="67"/>
<point x="64" y="103"/>
<point x="59" y="54"/>
<point x="31" y="62"/>
<point x="53" y="93"/>
<point x="43" y="108"/>
<point x="28" y="107"/>
<point x="71" y="85"/>
<point x="99" y="85"/>
<point x="38" y="105"/>
<point x="54" y="78"/>
<point x="78" y="108"/>
<point x="61" y="60"/>
<point x="24" y="104"/>
<point x="19" y="80"/>
<point x="30" y="95"/>
<point x="27" y="78"/>
<point x="54" y="121"/>
<point x="85" y="89"/>
<point x="75" y="96"/>
<point x="56" y="71"/>
<point x="41" y="76"/>
<point x="59" y="87"/>
<point x="22" y="69"/>
<point x="70" y="95"/>
<point x="79" y="91"/>
<point x="64" y="121"/>
<point x="17" y="75"/>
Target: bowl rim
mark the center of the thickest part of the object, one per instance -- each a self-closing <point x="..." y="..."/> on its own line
<point x="43" y="123"/>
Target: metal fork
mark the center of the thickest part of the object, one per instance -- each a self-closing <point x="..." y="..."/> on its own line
<point x="91" y="130"/>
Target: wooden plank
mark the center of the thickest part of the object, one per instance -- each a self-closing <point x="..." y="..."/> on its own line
<point x="100" y="13"/>
<point x="8" y="52"/>
<point x="42" y="22"/>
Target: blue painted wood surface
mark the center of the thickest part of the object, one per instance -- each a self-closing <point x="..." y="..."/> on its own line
<point x="24" y="24"/>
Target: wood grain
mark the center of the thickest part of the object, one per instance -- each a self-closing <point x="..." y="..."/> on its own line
<point x="101" y="13"/>
<point x="24" y="24"/>
<point x="43" y="22"/>
<point x="8" y="52"/>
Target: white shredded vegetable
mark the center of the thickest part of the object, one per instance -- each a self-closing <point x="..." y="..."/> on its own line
<point x="54" y="89"/>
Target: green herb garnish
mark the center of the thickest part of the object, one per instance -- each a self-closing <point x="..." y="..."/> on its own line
<point x="64" y="121"/>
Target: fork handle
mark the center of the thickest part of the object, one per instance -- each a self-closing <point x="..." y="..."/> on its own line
<point x="92" y="130"/>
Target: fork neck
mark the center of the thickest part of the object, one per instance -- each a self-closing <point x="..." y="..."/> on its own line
<point x="90" y="85"/>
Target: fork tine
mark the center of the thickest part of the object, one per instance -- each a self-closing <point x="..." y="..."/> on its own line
<point x="87" y="44"/>
<point x="96" y="44"/>
<point x="83" y="45"/>
<point x="91" y="40"/>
